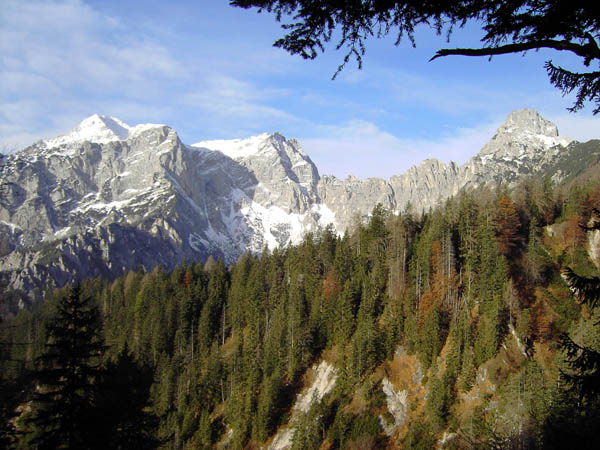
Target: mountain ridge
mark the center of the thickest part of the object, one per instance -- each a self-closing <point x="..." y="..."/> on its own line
<point x="138" y="196"/>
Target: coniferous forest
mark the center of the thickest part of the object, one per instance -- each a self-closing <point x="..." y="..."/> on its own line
<point x="481" y="313"/>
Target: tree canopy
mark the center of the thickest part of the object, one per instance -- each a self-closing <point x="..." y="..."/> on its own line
<point x="514" y="26"/>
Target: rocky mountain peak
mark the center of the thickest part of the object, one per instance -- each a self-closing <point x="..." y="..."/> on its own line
<point x="99" y="129"/>
<point x="270" y="156"/>
<point x="528" y="121"/>
<point x="98" y="124"/>
<point x="236" y="148"/>
<point x="523" y="133"/>
<point x="250" y="147"/>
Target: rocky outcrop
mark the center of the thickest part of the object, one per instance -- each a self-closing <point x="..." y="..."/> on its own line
<point x="138" y="197"/>
<point x="397" y="405"/>
<point x="353" y="197"/>
<point x="325" y="376"/>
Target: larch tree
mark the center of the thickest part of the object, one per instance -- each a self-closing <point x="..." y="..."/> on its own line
<point x="507" y="226"/>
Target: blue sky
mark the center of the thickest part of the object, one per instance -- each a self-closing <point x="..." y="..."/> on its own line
<point x="210" y="71"/>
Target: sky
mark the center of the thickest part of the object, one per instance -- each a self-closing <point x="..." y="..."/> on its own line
<point x="210" y="71"/>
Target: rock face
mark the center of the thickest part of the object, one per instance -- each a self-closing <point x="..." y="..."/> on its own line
<point x="109" y="197"/>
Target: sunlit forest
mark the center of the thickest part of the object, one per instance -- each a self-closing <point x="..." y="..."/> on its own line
<point x="467" y="309"/>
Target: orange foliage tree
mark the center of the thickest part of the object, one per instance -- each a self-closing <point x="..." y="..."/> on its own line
<point x="507" y="226"/>
<point x="331" y="285"/>
<point x="444" y="281"/>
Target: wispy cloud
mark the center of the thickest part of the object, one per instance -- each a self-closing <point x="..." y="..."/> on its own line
<point x="54" y="54"/>
<point x="579" y="126"/>
<point x="65" y="60"/>
<point x="231" y="108"/>
<point x="360" y="148"/>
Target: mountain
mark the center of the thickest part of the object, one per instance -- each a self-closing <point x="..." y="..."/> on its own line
<point x="108" y="197"/>
<point x="525" y="144"/>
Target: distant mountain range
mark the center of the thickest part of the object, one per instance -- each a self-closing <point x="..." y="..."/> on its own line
<point x="109" y="197"/>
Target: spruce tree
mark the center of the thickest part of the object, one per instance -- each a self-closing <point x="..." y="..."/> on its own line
<point x="122" y="405"/>
<point x="575" y="421"/>
<point x="508" y="27"/>
<point x="65" y="404"/>
<point x="584" y="361"/>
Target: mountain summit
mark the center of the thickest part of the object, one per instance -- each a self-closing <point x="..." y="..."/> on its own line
<point x="99" y="129"/>
<point x="524" y="121"/>
<point x="108" y="197"/>
<point x="523" y="132"/>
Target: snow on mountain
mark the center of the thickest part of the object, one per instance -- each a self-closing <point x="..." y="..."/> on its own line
<point x="236" y="148"/>
<point x="108" y="197"/>
<point x="100" y="129"/>
<point x="523" y="133"/>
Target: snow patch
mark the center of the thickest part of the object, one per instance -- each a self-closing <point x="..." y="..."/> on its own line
<point x="235" y="148"/>
<point x="277" y="227"/>
<point x="63" y="232"/>
<point x="552" y="141"/>
<point x="326" y="217"/>
<point x="12" y="226"/>
<point x="486" y="158"/>
<point x="118" y="204"/>
<point x="140" y="128"/>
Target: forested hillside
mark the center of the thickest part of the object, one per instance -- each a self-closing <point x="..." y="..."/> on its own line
<point x="440" y="328"/>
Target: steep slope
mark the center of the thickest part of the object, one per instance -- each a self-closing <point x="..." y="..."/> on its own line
<point x="283" y="203"/>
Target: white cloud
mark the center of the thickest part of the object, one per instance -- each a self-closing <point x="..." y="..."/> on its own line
<point x="62" y="61"/>
<point x="360" y="148"/>
<point x="73" y="43"/>
<point x="59" y="59"/>
<point x="578" y="126"/>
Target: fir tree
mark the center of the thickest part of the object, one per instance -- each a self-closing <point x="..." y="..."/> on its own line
<point x="123" y="400"/>
<point x="580" y="419"/>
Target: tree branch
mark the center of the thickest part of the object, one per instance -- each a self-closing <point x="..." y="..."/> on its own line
<point x="586" y="51"/>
